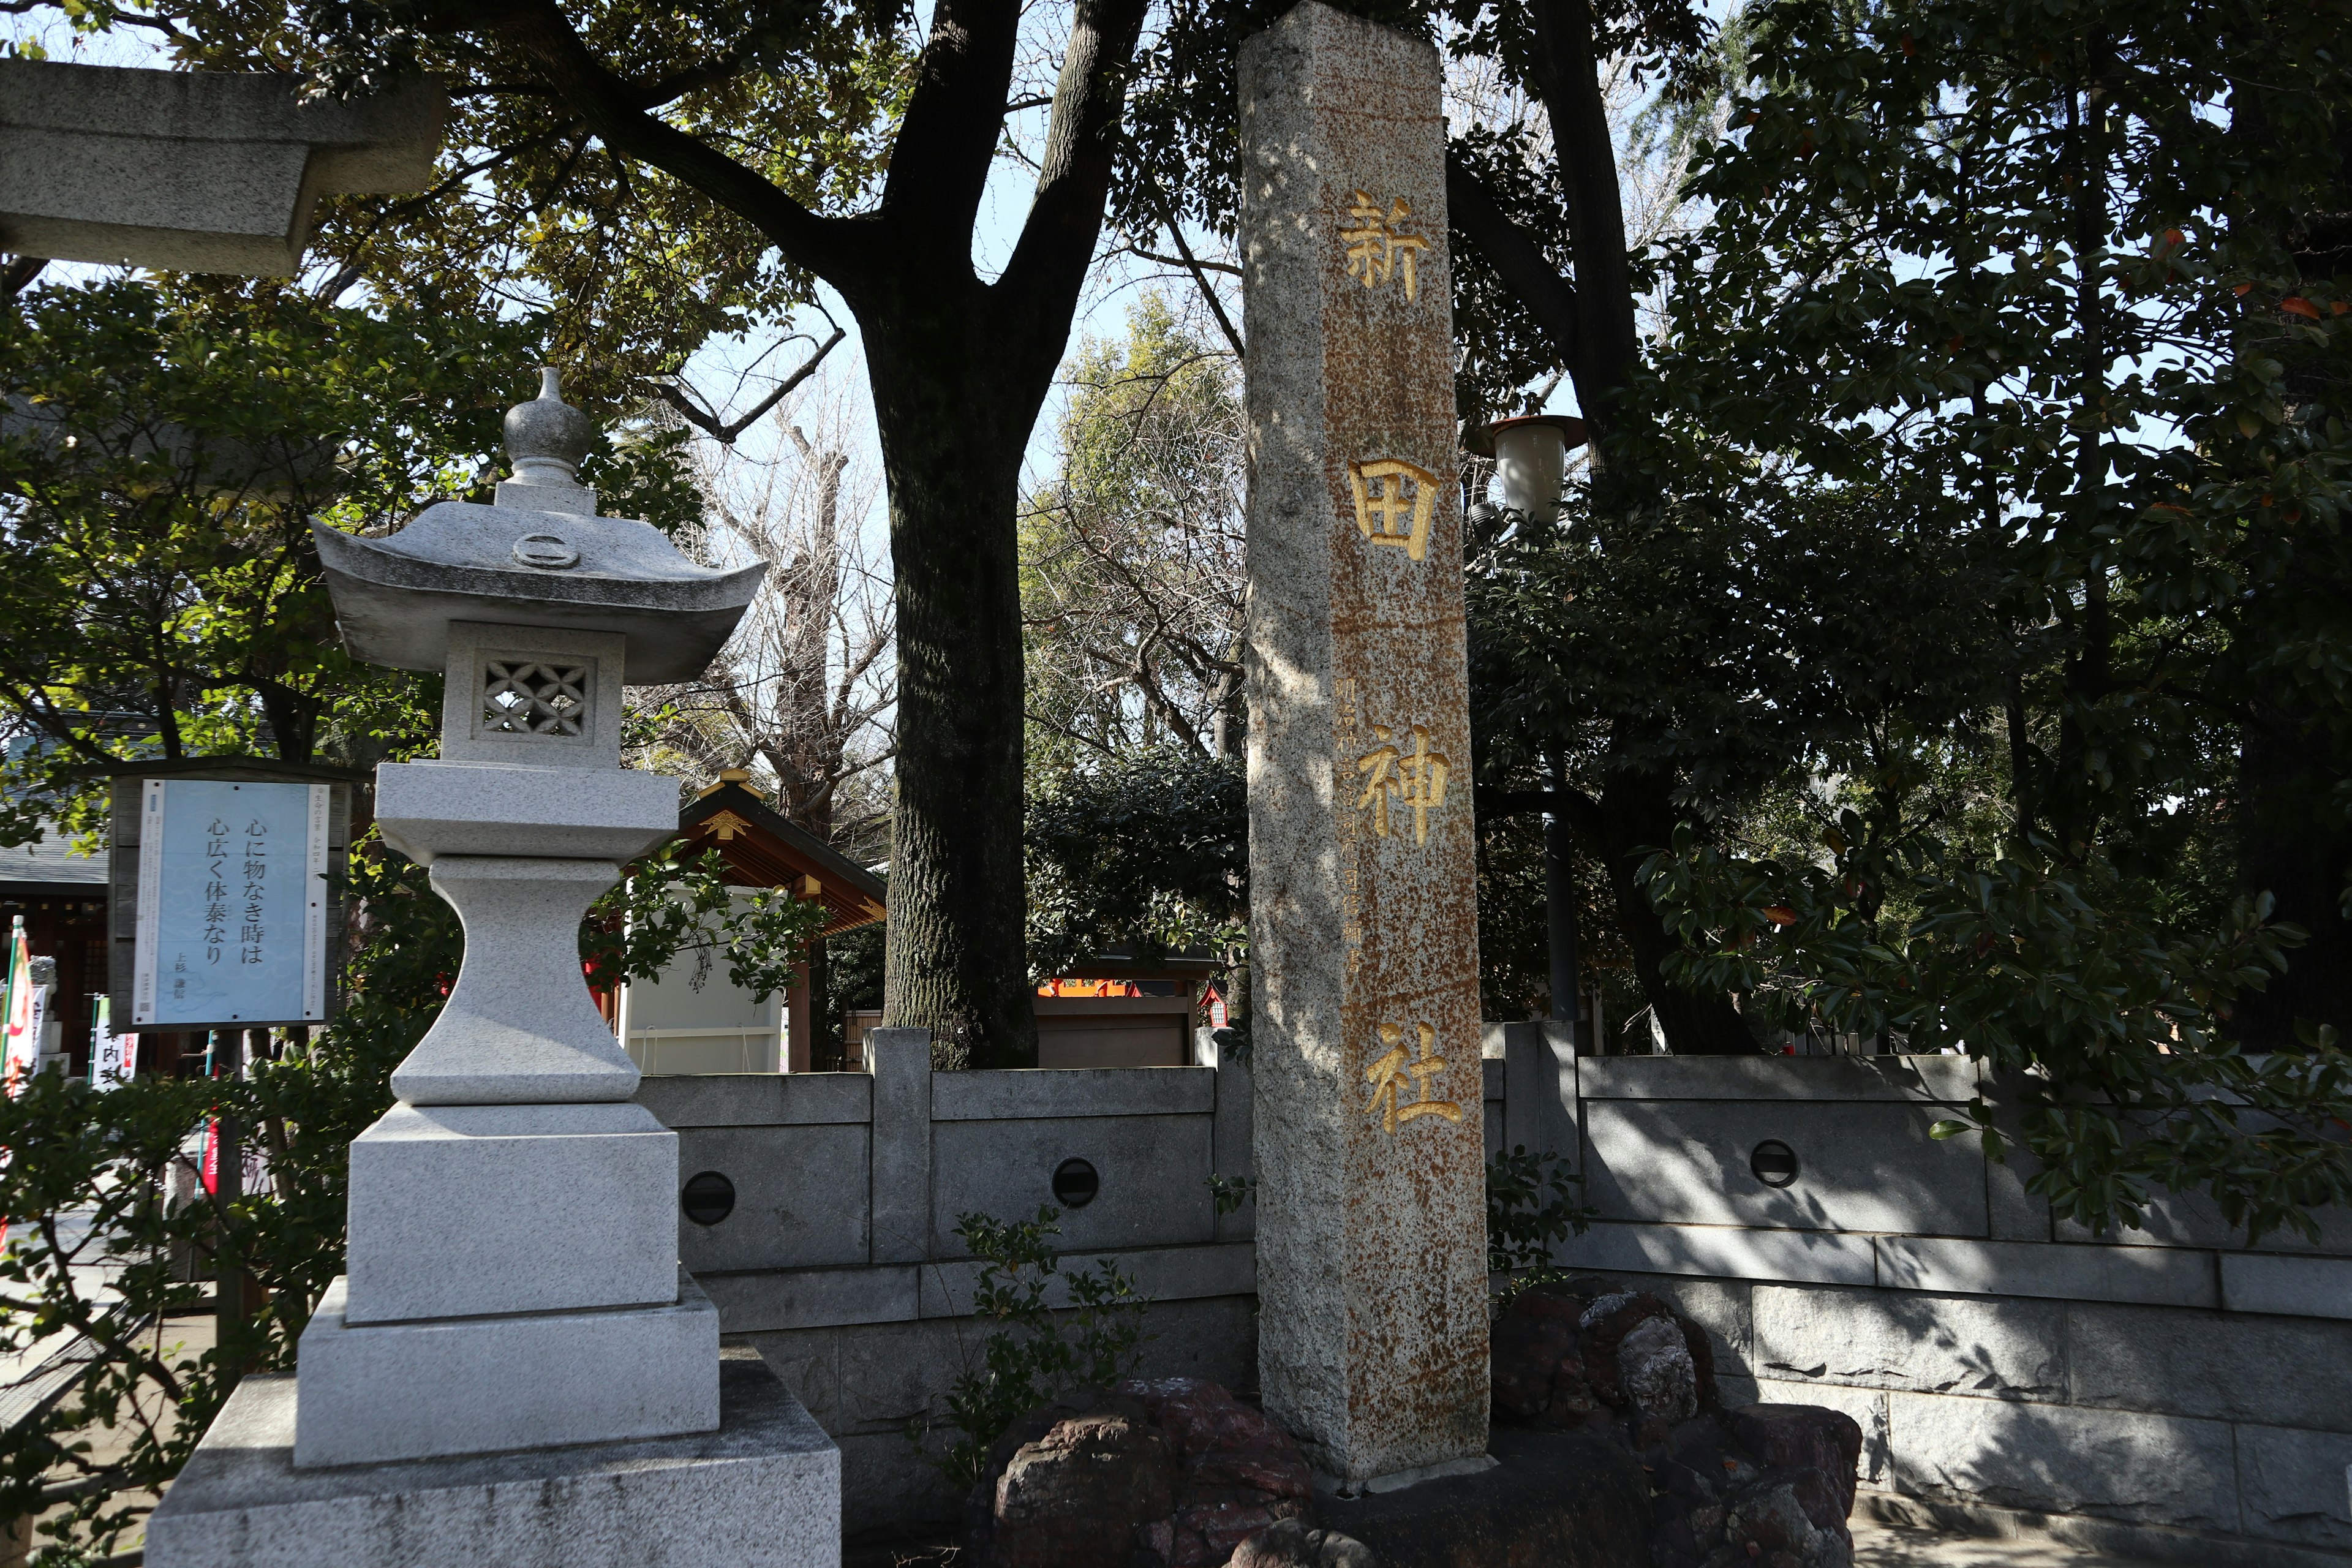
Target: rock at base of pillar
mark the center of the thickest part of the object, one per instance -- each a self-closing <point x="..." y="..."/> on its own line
<point x="761" y="1491"/>
<point x="1566" y="1500"/>
<point x="381" y="1393"/>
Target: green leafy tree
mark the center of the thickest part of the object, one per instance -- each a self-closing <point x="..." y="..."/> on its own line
<point x="1146" y="854"/>
<point x="758" y="137"/>
<point x="1032" y="1352"/>
<point x="2055" y="283"/>
<point x="1132" y="561"/>
<point x="161" y="452"/>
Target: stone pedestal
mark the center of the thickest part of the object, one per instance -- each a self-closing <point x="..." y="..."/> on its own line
<point x="1371" y="1216"/>
<point x="762" y="1491"/>
<point x="515" y="1368"/>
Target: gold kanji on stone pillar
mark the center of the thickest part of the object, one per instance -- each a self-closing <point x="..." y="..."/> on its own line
<point x="1371" y="1238"/>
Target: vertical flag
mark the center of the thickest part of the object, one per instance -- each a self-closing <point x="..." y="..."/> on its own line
<point x="24" y="1038"/>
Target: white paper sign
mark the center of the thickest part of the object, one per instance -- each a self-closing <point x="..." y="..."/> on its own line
<point x="113" y="1058"/>
<point x="232" y="904"/>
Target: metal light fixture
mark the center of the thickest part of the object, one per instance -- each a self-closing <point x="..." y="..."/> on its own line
<point x="1530" y="456"/>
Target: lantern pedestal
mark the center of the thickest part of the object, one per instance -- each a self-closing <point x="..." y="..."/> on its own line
<point x="761" y="1492"/>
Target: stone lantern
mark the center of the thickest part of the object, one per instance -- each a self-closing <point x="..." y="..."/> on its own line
<point x="516" y="1207"/>
<point x="513" y="1286"/>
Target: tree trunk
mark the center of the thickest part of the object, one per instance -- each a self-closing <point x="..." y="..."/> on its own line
<point x="1636" y="815"/>
<point x="954" y="411"/>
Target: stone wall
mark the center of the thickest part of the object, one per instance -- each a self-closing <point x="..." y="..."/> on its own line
<point x="2166" y="1393"/>
<point x="839" y="1259"/>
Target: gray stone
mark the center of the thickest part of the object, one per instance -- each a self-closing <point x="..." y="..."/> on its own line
<point x="773" y="1298"/>
<point x="2016" y="1214"/>
<point x="1152" y="1171"/>
<point x="395" y="598"/>
<point x="2297" y="1485"/>
<point x="377" y="1393"/>
<point x="899" y="1061"/>
<point x="762" y="1491"/>
<point x="548" y="439"/>
<point x="798" y="1198"/>
<point x="2299" y="1286"/>
<point x="1948" y="1081"/>
<point x="2194" y="1219"/>
<point x="429" y="809"/>
<point x="2113" y="1464"/>
<point x="2158" y="1276"/>
<point x="1159" y="1273"/>
<point x="487" y="675"/>
<point x="1539" y="1066"/>
<point x="194" y="171"/>
<point x="1364" y="1006"/>
<point x="520" y="1027"/>
<point x="759" y="1099"/>
<point x="1725" y="1309"/>
<point x="1726" y="1252"/>
<point x="459" y="1211"/>
<point x="2277" y="1371"/>
<point x="1926" y="1344"/>
<point x="1022" y="1094"/>
<point x="1688" y="1162"/>
<point x="1655" y="1369"/>
<point x="1231" y="1155"/>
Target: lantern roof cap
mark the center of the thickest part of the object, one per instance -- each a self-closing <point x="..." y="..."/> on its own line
<point x="540" y="557"/>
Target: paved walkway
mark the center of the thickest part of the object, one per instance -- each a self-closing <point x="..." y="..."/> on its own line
<point x="1879" y="1545"/>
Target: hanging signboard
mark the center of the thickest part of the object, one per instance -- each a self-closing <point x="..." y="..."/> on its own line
<point x="232" y="913"/>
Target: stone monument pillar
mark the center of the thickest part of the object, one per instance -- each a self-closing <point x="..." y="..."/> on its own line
<point x="1371" y="1244"/>
<point x="513" y="1287"/>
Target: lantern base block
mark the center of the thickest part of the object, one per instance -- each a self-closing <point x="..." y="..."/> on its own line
<point x="374" y="1393"/>
<point x="764" y="1491"/>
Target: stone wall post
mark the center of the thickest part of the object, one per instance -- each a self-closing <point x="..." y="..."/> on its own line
<point x="900" y="1062"/>
<point x="1371" y="1216"/>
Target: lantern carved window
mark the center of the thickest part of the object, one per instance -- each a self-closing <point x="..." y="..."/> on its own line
<point x="534" y="696"/>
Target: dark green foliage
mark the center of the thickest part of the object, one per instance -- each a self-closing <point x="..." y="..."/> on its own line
<point x="1146" y="854"/>
<point x="167" y="447"/>
<point x="1033" y="1352"/>
<point x="2050" y="290"/>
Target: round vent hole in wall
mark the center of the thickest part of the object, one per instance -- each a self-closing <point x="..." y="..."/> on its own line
<point x="709" y="1198"/>
<point x="1076" y="1183"/>
<point x="1774" y="1163"/>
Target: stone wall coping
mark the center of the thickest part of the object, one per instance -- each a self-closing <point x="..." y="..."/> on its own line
<point x="2281" y="1284"/>
<point x="758" y="1301"/>
<point x="1940" y="1079"/>
<point x="2287" y="1284"/>
<point x="1016" y="1094"/>
<point x="758" y="1099"/>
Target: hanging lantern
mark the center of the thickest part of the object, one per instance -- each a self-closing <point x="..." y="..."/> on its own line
<point x="1530" y="456"/>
